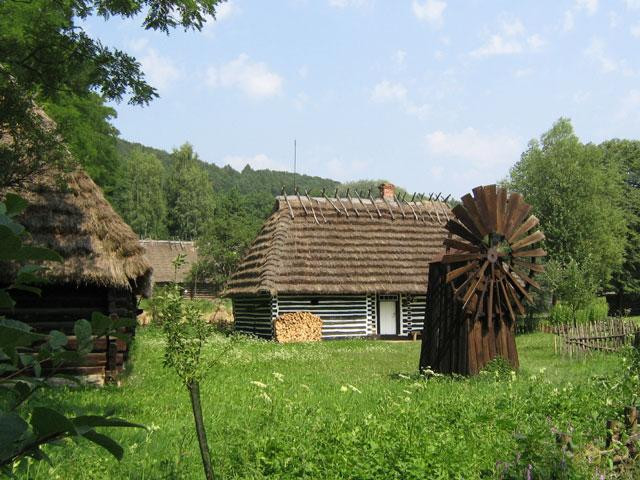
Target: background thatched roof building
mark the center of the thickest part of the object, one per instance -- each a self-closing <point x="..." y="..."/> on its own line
<point x="161" y="254"/>
<point x="341" y="257"/>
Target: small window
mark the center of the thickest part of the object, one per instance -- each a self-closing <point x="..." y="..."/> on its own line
<point x="315" y="301"/>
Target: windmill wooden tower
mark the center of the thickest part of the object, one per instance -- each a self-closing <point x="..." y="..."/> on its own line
<point x="480" y="284"/>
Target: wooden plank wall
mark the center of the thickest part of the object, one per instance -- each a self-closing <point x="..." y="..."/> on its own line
<point x="342" y="316"/>
<point x="412" y="308"/>
<point x="60" y="306"/>
<point x="252" y="314"/>
<point x="372" y="314"/>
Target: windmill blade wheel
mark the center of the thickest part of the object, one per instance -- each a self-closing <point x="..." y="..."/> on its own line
<point x="493" y="252"/>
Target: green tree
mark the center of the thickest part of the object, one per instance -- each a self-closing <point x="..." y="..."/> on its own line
<point x="46" y="55"/>
<point x="142" y="200"/>
<point x="189" y="194"/>
<point x="83" y="122"/>
<point x="578" y="197"/>
<point x="225" y="238"/>
<point x="627" y="154"/>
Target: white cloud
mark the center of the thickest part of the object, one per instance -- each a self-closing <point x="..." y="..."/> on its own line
<point x="347" y="3"/>
<point x="252" y="78"/>
<point x="387" y="91"/>
<point x="481" y="150"/>
<point x="509" y="40"/>
<point x="591" y="6"/>
<point x="523" y="72"/>
<point x="535" y="42"/>
<point x="226" y="10"/>
<point x="160" y="70"/>
<point x="392" y="92"/>
<point x="635" y="30"/>
<point x="596" y="53"/>
<point x="498" y="45"/>
<point x="431" y="11"/>
<point x="629" y="106"/>
<point x="568" y="23"/>
<point x="344" y="170"/>
<point x="257" y="162"/>
<point x="399" y="57"/>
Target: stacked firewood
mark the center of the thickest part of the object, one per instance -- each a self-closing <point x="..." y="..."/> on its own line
<point x="298" y="327"/>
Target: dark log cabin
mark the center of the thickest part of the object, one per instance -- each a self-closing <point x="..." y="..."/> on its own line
<point x="103" y="267"/>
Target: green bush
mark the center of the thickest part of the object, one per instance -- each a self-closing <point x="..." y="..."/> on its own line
<point x="563" y="314"/>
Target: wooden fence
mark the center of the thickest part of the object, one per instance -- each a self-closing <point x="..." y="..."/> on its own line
<point x="608" y="335"/>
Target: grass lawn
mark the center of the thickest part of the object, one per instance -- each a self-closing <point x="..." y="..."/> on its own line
<point x="347" y="409"/>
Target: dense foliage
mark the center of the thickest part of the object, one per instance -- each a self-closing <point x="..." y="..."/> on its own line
<point x="277" y="411"/>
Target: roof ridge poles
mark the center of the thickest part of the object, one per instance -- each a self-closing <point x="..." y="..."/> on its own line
<point x="346" y="212"/>
<point x="374" y="204"/>
<point x="352" y="205"/>
<point x="286" y="199"/>
<point x="419" y="206"/>
<point x="397" y="198"/>
<point x="311" y="206"/>
<point x="319" y="207"/>
<point x="445" y="209"/>
<point x="389" y="207"/>
<point x="439" y="203"/>
<point x="306" y="212"/>
<point x="409" y="203"/>
<point x="363" y="204"/>
<point x="426" y="206"/>
<point x="329" y="200"/>
<point x="435" y="210"/>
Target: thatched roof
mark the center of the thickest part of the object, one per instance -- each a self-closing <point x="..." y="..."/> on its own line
<point x="160" y="254"/>
<point x="69" y="214"/>
<point x="383" y="248"/>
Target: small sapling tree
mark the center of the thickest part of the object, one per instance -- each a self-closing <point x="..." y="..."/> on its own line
<point x="186" y="333"/>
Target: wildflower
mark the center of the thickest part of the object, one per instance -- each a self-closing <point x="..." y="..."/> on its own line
<point x="344" y="388"/>
<point x="279" y="376"/>
<point x="258" y="384"/>
<point x="266" y="397"/>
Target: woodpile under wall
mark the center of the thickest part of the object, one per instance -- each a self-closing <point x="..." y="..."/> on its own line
<point x="298" y="327"/>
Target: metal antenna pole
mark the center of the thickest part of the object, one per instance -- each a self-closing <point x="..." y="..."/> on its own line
<point x="295" y="159"/>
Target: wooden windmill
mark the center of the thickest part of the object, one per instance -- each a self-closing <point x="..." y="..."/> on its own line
<point x="481" y="283"/>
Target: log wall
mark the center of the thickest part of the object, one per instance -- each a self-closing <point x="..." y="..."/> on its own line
<point x="412" y="309"/>
<point x="253" y="315"/>
<point x="60" y="306"/>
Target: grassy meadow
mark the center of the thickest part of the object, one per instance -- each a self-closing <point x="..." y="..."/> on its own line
<point x="348" y="409"/>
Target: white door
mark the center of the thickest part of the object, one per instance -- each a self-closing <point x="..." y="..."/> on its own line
<point x="388" y="317"/>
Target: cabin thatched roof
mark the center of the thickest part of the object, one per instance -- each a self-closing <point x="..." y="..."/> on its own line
<point x="68" y="213"/>
<point x="322" y="246"/>
<point x="160" y="254"/>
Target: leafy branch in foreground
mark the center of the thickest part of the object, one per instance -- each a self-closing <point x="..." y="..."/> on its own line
<point x="28" y="360"/>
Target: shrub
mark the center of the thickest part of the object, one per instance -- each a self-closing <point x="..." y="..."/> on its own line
<point x="594" y="311"/>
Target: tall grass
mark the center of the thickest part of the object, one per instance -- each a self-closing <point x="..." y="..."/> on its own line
<point x="348" y="409"/>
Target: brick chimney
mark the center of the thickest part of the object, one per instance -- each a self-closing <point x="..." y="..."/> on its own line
<point x="387" y="190"/>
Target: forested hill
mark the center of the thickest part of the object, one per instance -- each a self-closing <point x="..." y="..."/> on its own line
<point x="246" y="182"/>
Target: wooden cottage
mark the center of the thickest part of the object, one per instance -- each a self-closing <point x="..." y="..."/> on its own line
<point x="103" y="267"/>
<point x="161" y="254"/>
<point x="359" y="264"/>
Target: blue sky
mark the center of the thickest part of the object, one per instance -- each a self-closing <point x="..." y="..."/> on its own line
<point x="433" y="95"/>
